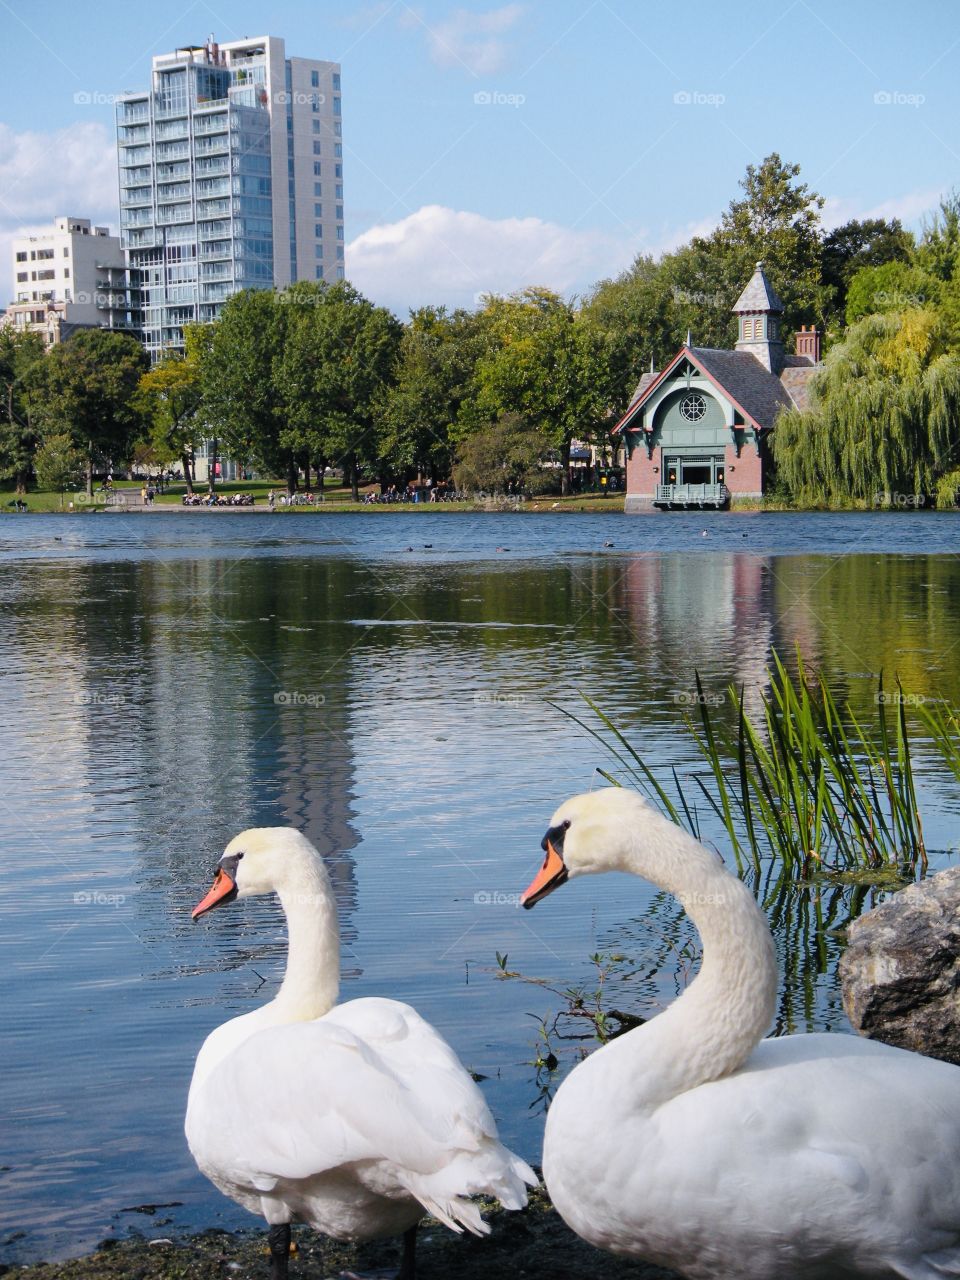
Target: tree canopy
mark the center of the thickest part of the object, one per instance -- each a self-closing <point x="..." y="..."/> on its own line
<point x="84" y="388"/>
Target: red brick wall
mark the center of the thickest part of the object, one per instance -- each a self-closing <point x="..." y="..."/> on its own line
<point x="743" y="474"/>
<point x="641" y="480"/>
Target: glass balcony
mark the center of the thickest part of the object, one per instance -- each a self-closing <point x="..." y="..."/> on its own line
<point x="219" y="144"/>
<point x="170" y="213"/>
<point x="210" y="123"/>
<point x="221" y="164"/>
<point x="212" y="208"/>
<point x="207" y="187"/>
<point x="129" y="218"/>
<point x="171" y="129"/>
<point x="217" y="249"/>
<point x="216" y="230"/>
<point x="134" y="156"/>
<point x="216" y="292"/>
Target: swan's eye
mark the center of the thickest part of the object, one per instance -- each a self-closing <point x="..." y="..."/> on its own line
<point x="566" y="824"/>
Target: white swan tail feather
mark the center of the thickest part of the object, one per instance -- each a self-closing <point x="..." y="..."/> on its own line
<point x="456" y="1214"/>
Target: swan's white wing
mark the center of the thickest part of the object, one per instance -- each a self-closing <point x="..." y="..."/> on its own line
<point x="420" y="1057"/>
<point x="294" y="1102"/>
<point x="828" y="1136"/>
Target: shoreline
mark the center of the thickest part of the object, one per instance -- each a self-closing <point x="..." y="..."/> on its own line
<point x="534" y="1243"/>
<point x="596" y="508"/>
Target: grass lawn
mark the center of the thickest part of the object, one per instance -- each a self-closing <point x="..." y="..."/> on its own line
<point x="336" y="498"/>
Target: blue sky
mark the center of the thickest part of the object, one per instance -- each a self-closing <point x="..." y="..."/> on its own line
<point x="492" y="146"/>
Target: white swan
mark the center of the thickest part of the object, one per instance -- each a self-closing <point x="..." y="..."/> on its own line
<point x="691" y="1143"/>
<point x="355" y="1118"/>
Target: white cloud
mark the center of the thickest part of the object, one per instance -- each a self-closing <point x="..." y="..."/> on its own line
<point x="473" y="41"/>
<point x="910" y="208"/>
<point x="72" y="171"/>
<point x="440" y="255"/>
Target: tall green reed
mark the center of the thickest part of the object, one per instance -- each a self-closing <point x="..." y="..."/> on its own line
<point x="803" y="779"/>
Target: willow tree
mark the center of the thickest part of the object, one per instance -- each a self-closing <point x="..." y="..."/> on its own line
<point x="884" y="421"/>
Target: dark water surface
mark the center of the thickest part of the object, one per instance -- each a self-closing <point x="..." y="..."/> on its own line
<point x="168" y="681"/>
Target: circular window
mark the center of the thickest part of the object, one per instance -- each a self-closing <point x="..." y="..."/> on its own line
<point x="693" y="407"/>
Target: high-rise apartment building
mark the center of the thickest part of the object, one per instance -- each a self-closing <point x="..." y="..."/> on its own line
<point x="231" y="177"/>
<point x="70" y="277"/>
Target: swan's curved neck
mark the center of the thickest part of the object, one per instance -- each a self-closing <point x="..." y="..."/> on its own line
<point x="311" y="982"/>
<point x="718" y="1021"/>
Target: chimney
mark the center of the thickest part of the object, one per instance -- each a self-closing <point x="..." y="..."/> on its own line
<point x="808" y="343"/>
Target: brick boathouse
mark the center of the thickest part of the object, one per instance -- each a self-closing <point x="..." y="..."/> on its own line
<point x="697" y="433"/>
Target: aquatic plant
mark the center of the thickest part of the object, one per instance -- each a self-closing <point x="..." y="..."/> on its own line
<point x="803" y="780"/>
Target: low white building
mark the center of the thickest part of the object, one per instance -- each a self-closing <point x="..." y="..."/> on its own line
<point x="71" y="277"/>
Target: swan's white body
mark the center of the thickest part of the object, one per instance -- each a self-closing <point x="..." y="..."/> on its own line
<point x="354" y="1118"/>
<point x="689" y="1144"/>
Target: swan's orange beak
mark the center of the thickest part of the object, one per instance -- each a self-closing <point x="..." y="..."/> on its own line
<point x="224" y="889"/>
<point x="550" y="876"/>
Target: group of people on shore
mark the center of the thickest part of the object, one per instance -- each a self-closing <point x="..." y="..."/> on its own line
<point x="217" y="500"/>
<point x="427" y="492"/>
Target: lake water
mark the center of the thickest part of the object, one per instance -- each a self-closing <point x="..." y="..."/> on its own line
<point x="169" y="680"/>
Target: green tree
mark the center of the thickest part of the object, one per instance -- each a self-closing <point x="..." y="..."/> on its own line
<point x="338" y="358"/>
<point x="545" y="364"/>
<point x="170" y="397"/>
<point x="86" y="387"/>
<point x="857" y="244"/>
<point x="938" y="251"/>
<point x="19" y="353"/>
<point x="884" y="424"/>
<point x="502" y="457"/>
<point x="636" y="318"/>
<point x="59" y="464"/>
<point x="420" y="409"/>
<point x="776" y="221"/>
<point x="893" y="286"/>
<point x="241" y="408"/>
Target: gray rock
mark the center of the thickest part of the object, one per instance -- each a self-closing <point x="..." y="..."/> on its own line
<point x="901" y="969"/>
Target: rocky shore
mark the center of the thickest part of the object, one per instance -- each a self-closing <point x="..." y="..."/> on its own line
<point x="535" y="1245"/>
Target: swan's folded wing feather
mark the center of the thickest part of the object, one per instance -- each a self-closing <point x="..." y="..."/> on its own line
<point x="299" y="1100"/>
<point x="420" y="1057"/>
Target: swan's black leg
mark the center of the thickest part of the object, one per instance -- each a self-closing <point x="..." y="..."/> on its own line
<point x="408" y="1267"/>
<point x="278" y="1238"/>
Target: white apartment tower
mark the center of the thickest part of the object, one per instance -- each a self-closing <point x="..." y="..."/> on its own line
<point x="231" y="177"/>
<point x="70" y="277"/>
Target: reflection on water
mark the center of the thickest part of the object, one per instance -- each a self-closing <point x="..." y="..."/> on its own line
<point x="169" y="682"/>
